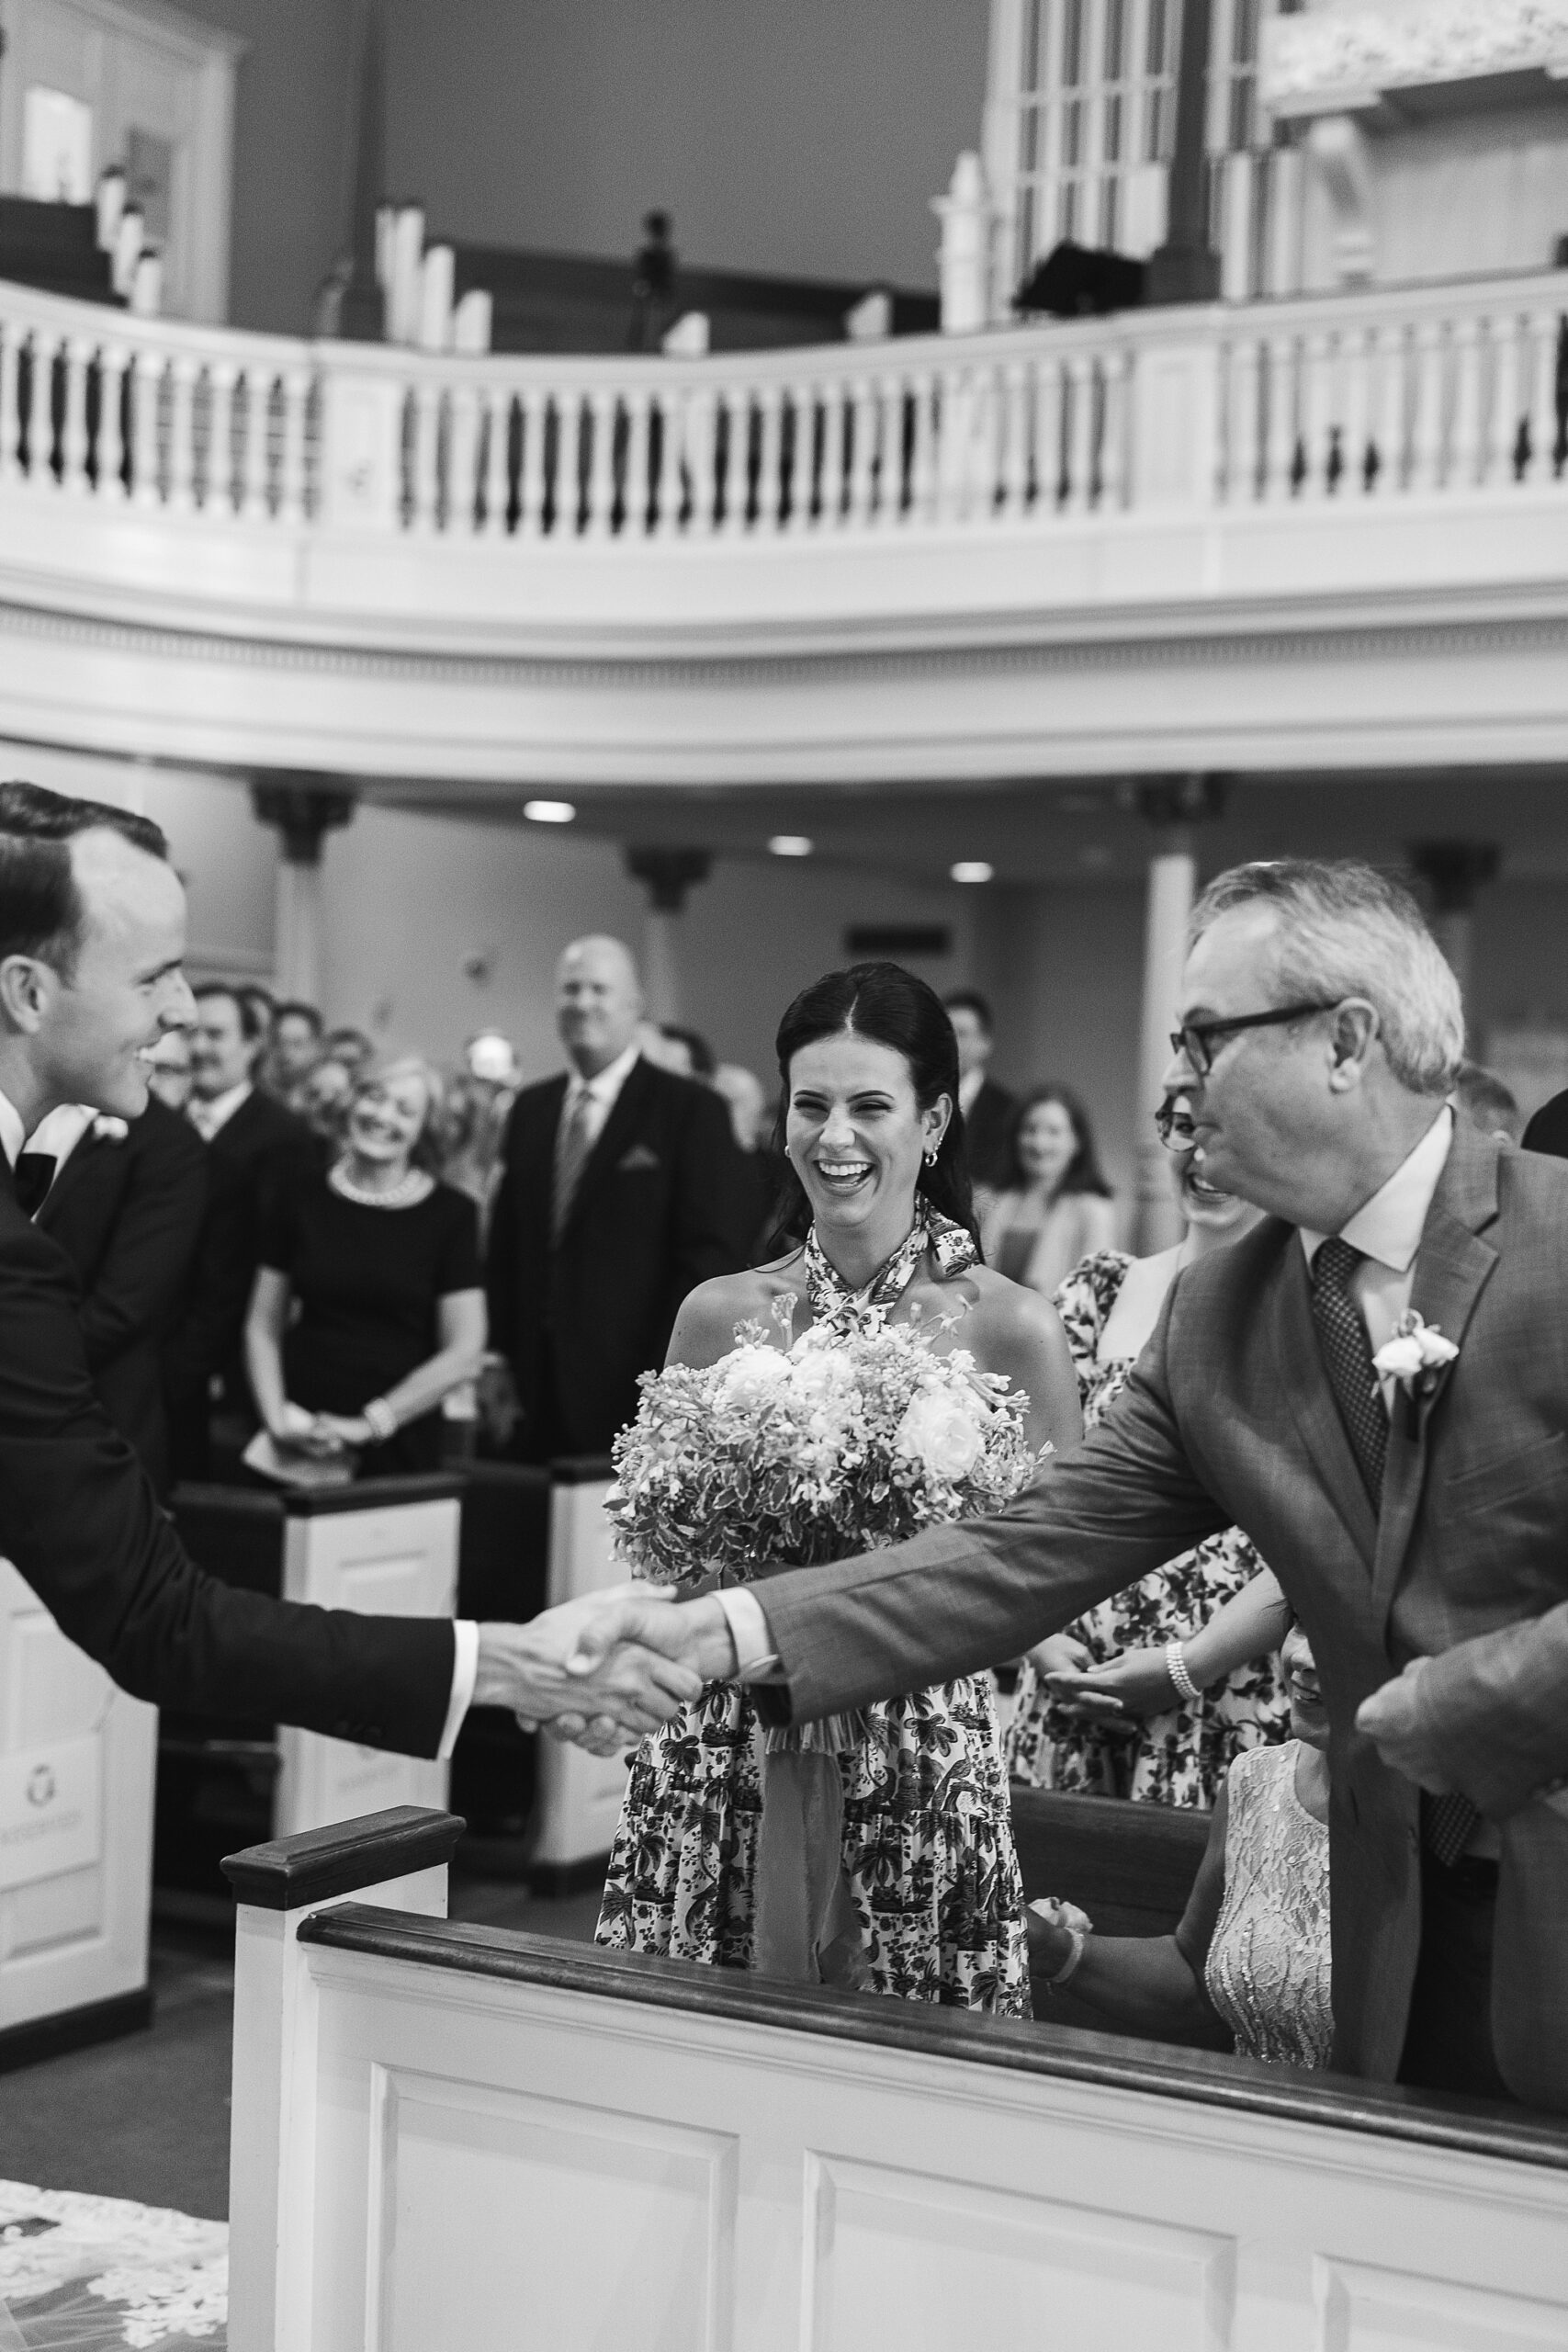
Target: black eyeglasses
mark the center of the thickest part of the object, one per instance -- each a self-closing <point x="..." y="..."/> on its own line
<point x="1195" y="1039"/>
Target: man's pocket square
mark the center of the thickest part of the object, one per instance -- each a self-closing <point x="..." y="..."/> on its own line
<point x="638" y="1157"/>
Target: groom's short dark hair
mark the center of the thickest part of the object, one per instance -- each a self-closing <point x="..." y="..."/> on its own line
<point x="40" y="908"/>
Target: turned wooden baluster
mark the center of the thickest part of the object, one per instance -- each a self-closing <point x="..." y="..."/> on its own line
<point x="10" y="417"/>
<point x="1243" y="454"/>
<point x="181" y="434"/>
<point x="1386" y="359"/>
<point x="1050" y="426"/>
<point x="531" y="469"/>
<point x="1283" y="418"/>
<point x="292" y="487"/>
<point x="146" y="488"/>
<point x="922" y="448"/>
<point x="255" y="445"/>
<point x="1012" y="455"/>
<point x="1426" y="435"/>
<point x="829" y="506"/>
<point x="1356" y="354"/>
<point x="635" y="500"/>
<point x="1081" y="429"/>
<point x="1463" y="468"/>
<point x="862" y="452"/>
<point x="220" y="484"/>
<point x="494" y="486"/>
<point x="1116" y="378"/>
<point x="1545" y="329"/>
<point x="770" y="446"/>
<point x="77" y="359"/>
<point x="599" y="423"/>
<point x="424" y="474"/>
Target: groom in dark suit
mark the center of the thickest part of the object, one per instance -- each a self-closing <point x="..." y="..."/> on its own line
<point x="622" y="1190"/>
<point x="91" y="933"/>
<point x="1415" y="1512"/>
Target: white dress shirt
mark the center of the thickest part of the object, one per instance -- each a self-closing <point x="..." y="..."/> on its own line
<point x="207" y="1117"/>
<point x="465" y="1631"/>
<point x="1387" y="1229"/>
<point x="602" y="1094"/>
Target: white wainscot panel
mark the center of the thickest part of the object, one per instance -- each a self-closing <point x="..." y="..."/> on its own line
<point x="905" y="2257"/>
<point x="619" y="2228"/>
<point x="1367" y="2309"/>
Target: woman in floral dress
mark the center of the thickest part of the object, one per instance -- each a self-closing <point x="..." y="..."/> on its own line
<point x="927" y="1903"/>
<point x="1124" y="1730"/>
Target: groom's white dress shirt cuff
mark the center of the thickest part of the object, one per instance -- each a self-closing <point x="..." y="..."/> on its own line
<point x="465" y="1672"/>
<point x="756" y="1661"/>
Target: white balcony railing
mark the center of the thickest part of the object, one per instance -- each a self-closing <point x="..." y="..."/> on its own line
<point x="1334" y="400"/>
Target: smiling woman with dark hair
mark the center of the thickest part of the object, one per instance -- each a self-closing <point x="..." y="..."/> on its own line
<point x="876" y="1225"/>
<point x="1055" y="1209"/>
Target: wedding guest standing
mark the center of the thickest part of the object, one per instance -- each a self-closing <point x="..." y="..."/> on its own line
<point x="1177" y="1746"/>
<point x="622" y="1191"/>
<point x="988" y="1109"/>
<point x="368" y="1307"/>
<point x="1248" y="1966"/>
<point x="295" y="1048"/>
<point x="1055" y="1207"/>
<point x="253" y="1145"/>
<point x="911" y="1829"/>
<point x="124" y="1200"/>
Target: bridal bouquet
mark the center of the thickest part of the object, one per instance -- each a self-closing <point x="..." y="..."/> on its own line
<point x="846" y="1440"/>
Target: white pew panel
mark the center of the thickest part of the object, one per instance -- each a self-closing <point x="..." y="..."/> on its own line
<point x="77" y="1761"/>
<point x="511" y="2140"/>
<point x="579" y="1801"/>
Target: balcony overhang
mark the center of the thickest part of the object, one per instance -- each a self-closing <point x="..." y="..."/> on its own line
<point x="1329" y="533"/>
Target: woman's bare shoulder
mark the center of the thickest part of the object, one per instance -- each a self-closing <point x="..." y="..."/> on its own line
<point x="1010" y="1309"/>
<point x="704" y="1328"/>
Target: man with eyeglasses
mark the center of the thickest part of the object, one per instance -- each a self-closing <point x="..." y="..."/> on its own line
<point x="1414" y="1510"/>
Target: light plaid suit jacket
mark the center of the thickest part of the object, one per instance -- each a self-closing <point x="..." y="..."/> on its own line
<point x="1228" y="1417"/>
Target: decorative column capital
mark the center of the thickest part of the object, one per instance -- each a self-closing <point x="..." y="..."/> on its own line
<point x="1454" y="872"/>
<point x="668" y="873"/>
<point x="303" y="808"/>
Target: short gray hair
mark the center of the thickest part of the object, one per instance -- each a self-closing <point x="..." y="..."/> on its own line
<point x="1343" y="928"/>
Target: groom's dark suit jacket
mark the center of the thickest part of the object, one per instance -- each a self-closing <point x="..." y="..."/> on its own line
<point x="1229" y="1417"/>
<point x="79" y="1520"/>
<point x="127" y="1211"/>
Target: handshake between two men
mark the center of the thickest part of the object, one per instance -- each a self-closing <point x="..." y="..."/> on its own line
<point x="612" y="1664"/>
<point x="620" y="1662"/>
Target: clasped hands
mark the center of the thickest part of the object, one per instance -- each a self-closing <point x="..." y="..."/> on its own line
<point x="611" y="1664"/>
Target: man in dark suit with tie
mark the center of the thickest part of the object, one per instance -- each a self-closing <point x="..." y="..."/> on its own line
<point x="91" y="933"/>
<point x="254" y="1146"/>
<point x="988" y="1109"/>
<point x="622" y="1189"/>
<point x="1414" y="1507"/>
<point x="124" y="1200"/>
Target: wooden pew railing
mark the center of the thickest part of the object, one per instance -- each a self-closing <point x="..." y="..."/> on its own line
<point x="448" y="2136"/>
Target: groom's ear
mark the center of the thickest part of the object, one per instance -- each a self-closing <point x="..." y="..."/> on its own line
<point x="1353" y="1034"/>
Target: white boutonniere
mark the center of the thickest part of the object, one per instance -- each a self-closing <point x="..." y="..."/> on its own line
<point x="1416" y="1357"/>
<point x="111" y="1129"/>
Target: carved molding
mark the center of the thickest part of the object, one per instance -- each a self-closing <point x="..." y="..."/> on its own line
<point x="1333" y="52"/>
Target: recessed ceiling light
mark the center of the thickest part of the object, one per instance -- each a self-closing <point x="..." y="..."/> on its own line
<point x="973" y="869"/>
<point x="549" y="812"/>
<point x="791" y="845"/>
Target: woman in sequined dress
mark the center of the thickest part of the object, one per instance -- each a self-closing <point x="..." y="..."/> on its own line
<point x="909" y="1883"/>
<point x="1097" y="1710"/>
<point x="1247" y="1967"/>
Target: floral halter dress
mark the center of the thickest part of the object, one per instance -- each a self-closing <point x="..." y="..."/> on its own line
<point x="926" y="1850"/>
<point x="1181" y="1757"/>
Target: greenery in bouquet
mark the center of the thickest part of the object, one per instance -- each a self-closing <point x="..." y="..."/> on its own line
<point x="844" y="1441"/>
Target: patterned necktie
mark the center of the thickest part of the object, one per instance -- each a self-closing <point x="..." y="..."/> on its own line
<point x="1446" y="1821"/>
<point x="35" y="1174"/>
<point x="573" y="1145"/>
<point x="1347" y="1358"/>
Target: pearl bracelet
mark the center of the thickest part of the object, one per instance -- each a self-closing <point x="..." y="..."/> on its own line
<point x="1176" y="1667"/>
<point x="382" y="1420"/>
<point x="1069" y="1966"/>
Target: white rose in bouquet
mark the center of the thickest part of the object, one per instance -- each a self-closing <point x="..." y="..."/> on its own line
<point x="942" y="1432"/>
<point x="752" y="1374"/>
